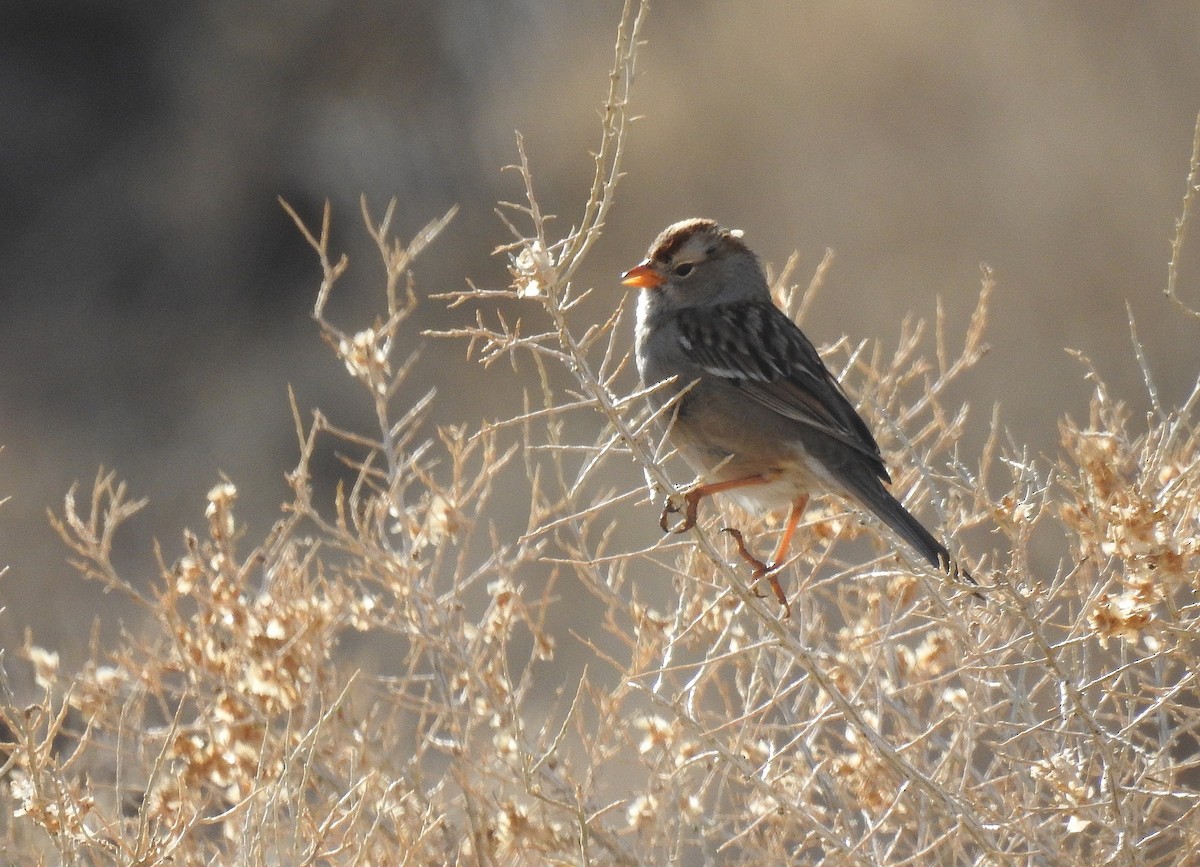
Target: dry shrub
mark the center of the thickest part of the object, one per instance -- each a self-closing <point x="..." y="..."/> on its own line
<point x="892" y="719"/>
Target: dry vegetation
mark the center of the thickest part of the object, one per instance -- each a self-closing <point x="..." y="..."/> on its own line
<point x="893" y="719"/>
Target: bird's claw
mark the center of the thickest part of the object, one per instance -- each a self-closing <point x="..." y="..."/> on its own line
<point x="670" y="508"/>
<point x="760" y="570"/>
<point x="758" y="566"/>
<point x="690" y="507"/>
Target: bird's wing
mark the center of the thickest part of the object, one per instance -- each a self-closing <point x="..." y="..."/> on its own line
<point x="754" y="346"/>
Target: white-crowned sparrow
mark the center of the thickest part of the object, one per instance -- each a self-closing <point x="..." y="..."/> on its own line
<point x="760" y="416"/>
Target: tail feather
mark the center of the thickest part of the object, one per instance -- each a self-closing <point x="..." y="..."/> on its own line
<point x="887" y="508"/>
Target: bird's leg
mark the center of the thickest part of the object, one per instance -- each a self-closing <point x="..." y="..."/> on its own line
<point x="762" y="570"/>
<point x="789" y="530"/>
<point x="691" y="500"/>
<point x="781" y="551"/>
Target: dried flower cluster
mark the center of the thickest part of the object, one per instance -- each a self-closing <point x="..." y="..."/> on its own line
<point x="482" y="651"/>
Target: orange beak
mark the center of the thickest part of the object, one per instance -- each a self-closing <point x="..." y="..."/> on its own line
<point x="643" y="276"/>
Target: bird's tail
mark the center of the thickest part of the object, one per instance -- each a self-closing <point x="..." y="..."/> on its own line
<point x="872" y="494"/>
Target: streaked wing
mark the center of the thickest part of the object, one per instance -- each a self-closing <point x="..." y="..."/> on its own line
<point x="756" y="347"/>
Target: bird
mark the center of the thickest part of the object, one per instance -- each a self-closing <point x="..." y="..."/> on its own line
<point x="753" y="409"/>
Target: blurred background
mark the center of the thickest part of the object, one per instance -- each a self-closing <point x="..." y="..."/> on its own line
<point x="155" y="300"/>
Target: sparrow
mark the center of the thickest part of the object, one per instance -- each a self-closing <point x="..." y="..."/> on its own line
<point x="756" y="412"/>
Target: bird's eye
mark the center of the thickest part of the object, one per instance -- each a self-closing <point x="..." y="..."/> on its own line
<point x="684" y="269"/>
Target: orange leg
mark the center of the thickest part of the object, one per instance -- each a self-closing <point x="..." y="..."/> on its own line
<point x="789" y="530"/>
<point x="692" y="498"/>
<point x="763" y="570"/>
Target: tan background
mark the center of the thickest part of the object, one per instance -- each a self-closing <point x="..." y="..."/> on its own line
<point x="155" y="298"/>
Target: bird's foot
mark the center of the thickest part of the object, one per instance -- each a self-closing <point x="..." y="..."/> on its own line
<point x="690" y="509"/>
<point x="760" y="570"/>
